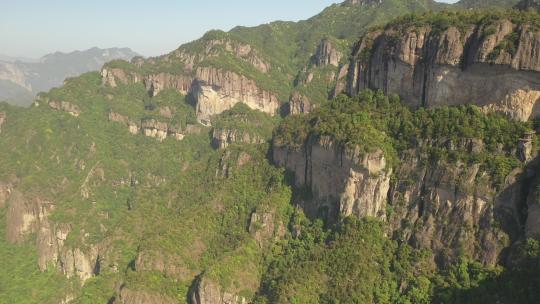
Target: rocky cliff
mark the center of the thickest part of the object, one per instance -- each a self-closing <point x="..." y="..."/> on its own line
<point x="450" y="208"/>
<point x="28" y="217"/>
<point x="2" y="120"/>
<point x="208" y="292"/>
<point x="342" y="181"/>
<point x="493" y="65"/>
<point x="214" y="90"/>
<point x="327" y="54"/>
<point x="222" y="138"/>
<point x="155" y="128"/>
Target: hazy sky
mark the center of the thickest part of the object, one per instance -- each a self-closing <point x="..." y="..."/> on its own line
<point x="32" y="28"/>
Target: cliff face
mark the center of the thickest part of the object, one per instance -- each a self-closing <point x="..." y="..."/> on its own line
<point x="326" y="54"/>
<point x="449" y="208"/>
<point x="2" y="119"/>
<point x="217" y="91"/>
<point x="495" y="66"/>
<point x="208" y="292"/>
<point x="214" y="90"/>
<point x="154" y="128"/>
<point x="222" y="138"/>
<point x="299" y="104"/>
<point x="29" y="216"/>
<point x="341" y="180"/>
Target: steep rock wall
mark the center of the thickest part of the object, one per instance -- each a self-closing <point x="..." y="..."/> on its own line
<point x="2" y="120"/>
<point x="27" y="216"/>
<point x="430" y="68"/>
<point x="222" y="138"/>
<point x="208" y="292"/>
<point x="341" y="180"/>
<point x="450" y="208"/>
<point x="214" y="90"/>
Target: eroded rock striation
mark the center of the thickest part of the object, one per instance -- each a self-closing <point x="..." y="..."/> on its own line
<point x="222" y="138"/>
<point x="327" y="54"/>
<point x="495" y="66"/>
<point x="299" y="104"/>
<point x="154" y="128"/>
<point x="208" y="292"/>
<point x="214" y="90"/>
<point x="450" y="208"/>
<point x="29" y="216"/>
<point x="217" y="90"/>
<point x="2" y="120"/>
<point x="65" y="106"/>
<point x="342" y="180"/>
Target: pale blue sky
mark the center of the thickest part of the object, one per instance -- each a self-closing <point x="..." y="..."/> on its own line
<point x="32" y="28"/>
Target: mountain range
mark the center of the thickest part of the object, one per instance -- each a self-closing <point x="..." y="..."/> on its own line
<point x="21" y="79"/>
<point x="382" y="151"/>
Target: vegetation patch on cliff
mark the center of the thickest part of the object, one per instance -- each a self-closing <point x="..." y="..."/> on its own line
<point x="374" y="121"/>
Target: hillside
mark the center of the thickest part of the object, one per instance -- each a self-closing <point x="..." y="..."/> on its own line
<point x="20" y="80"/>
<point x="222" y="173"/>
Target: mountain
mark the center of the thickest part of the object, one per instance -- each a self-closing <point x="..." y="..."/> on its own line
<point x="379" y="152"/>
<point x="22" y="80"/>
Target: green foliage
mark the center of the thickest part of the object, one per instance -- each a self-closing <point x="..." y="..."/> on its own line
<point x="508" y="45"/>
<point x="374" y="121"/>
<point x="21" y="281"/>
<point x="463" y="20"/>
<point x="245" y="120"/>
<point x="469" y="282"/>
<point x="354" y="263"/>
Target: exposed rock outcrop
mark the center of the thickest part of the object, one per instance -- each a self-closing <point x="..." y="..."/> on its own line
<point x="326" y="54"/>
<point x="158" y="82"/>
<point x="230" y="161"/>
<point x="208" y="292"/>
<point x="265" y="227"/>
<point x="494" y="66"/>
<point x="2" y="119"/>
<point x="341" y="179"/>
<point x="449" y="208"/>
<point x="525" y="147"/>
<point x="453" y="209"/>
<point x="111" y="77"/>
<point x="222" y="138"/>
<point x="5" y="192"/>
<point x="155" y="128"/>
<point x="27" y="216"/>
<point x="216" y="91"/>
<point x="299" y="104"/>
<point x="65" y="106"/>
<point x="75" y="262"/>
